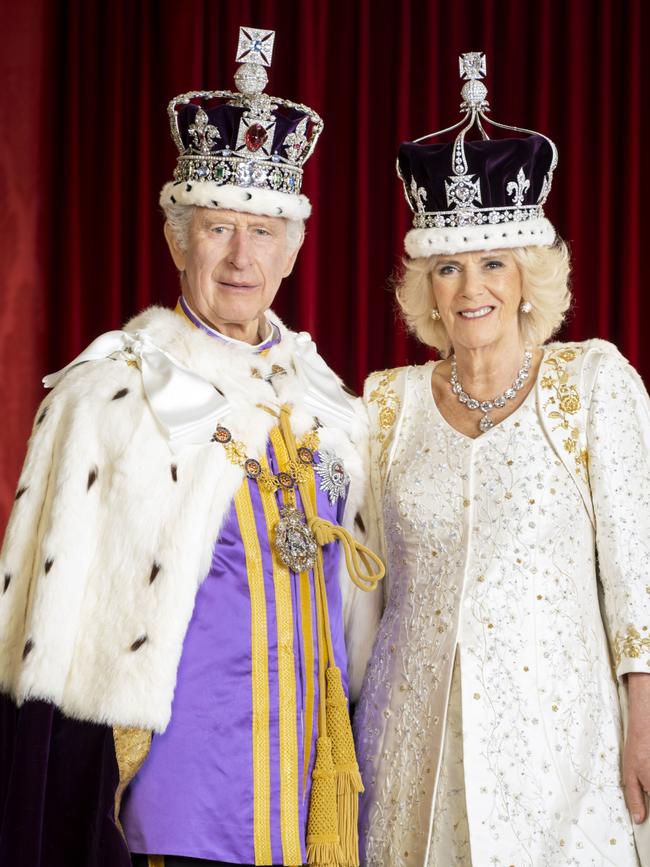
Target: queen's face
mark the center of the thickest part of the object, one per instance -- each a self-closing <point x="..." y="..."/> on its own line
<point x="478" y="296"/>
<point x="233" y="265"/>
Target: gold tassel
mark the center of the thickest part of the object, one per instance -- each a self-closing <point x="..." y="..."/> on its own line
<point x="346" y="769"/>
<point x="323" y="848"/>
<point x="332" y="832"/>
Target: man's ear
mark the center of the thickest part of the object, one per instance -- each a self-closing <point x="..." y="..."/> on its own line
<point x="178" y="255"/>
<point x="291" y="261"/>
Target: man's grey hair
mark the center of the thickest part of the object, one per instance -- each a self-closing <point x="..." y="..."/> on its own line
<point x="179" y="219"/>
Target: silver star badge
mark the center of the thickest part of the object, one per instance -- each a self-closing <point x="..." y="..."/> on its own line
<point x="333" y="478"/>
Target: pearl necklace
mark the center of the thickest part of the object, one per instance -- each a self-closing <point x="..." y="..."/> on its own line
<point x="486" y="406"/>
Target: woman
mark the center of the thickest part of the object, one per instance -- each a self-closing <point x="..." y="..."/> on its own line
<point x="513" y="478"/>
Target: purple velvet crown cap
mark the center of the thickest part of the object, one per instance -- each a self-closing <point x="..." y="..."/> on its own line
<point x="227" y="119"/>
<point x="494" y="162"/>
<point x="242" y="150"/>
<point x="479" y="194"/>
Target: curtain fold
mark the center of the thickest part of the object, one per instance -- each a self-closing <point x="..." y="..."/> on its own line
<point x="86" y="148"/>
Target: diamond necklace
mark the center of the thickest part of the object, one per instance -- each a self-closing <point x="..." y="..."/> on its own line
<point x="486" y="406"/>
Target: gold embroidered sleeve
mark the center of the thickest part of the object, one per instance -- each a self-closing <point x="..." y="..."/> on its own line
<point x="633" y="644"/>
<point x="563" y="404"/>
<point x="387" y="405"/>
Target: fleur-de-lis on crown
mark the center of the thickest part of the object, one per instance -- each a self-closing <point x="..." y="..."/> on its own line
<point x="418" y="196"/>
<point x="202" y="133"/>
<point x="519" y="188"/>
<point x="296" y="142"/>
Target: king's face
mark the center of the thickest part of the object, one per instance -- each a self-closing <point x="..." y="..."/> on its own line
<point x="233" y="266"/>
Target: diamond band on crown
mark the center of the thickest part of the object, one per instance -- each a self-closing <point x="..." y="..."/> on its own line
<point x="222" y="169"/>
<point x="441" y="219"/>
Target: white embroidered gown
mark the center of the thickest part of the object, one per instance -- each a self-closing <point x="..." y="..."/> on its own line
<point x="488" y="727"/>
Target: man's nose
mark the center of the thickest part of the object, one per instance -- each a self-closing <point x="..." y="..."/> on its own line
<point x="239" y="252"/>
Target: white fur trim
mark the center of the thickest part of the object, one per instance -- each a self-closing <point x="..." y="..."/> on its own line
<point x="103" y="502"/>
<point x="464" y="239"/>
<point x="207" y="194"/>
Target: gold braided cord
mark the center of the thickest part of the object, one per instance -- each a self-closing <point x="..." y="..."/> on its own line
<point x="284" y="462"/>
<point x="260" y="677"/>
<point x="156" y="860"/>
<point x="288" y="733"/>
<point x="323" y="848"/>
<point x="308" y="656"/>
<point x="332" y="835"/>
<point x="308" y="651"/>
<point x="364" y="567"/>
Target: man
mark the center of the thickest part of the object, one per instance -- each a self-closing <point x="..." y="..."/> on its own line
<point x="172" y="561"/>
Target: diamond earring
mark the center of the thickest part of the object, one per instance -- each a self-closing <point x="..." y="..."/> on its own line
<point x="435" y="315"/>
<point x="525" y="306"/>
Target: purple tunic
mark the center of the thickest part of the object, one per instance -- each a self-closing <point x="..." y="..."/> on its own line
<point x="194" y="795"/>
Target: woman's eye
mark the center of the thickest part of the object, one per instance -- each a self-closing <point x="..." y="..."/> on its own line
<point x="446" y="269"/>
<point x="494" y="263"/>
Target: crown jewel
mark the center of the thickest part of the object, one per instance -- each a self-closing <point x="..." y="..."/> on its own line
<point x="244" y="138"/>
<point x="487" y="182"/>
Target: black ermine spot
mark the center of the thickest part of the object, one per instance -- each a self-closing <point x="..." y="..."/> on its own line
<point x="48" y="564"/>
<point x="92" y="477"/>
<point x="42" y="416"/>
<point x="174" y="471"/>
<point x="7" y="582"/>
<point x="137" y="644"/>
<point x="155" y="569"/>
<point x="121" y="393"/>
<point x="20" y="492"/>
<point x="27" y="649"/>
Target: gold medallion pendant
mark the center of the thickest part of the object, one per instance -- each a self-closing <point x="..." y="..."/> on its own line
<point x="294" y="541"/>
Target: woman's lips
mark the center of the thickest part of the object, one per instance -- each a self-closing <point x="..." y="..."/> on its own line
<point x="476" y="313"/>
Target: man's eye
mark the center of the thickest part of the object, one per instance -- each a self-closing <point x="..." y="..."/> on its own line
<point x="218" y="230"/>
<point x="261" y="231"/>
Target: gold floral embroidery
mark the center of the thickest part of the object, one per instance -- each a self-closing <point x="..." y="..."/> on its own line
<point x="631" y="645"/>
<point x="389" y="406"/>
<point x="563" y="403"/>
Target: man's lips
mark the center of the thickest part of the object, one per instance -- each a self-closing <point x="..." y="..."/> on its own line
<point x="238" y="286"/>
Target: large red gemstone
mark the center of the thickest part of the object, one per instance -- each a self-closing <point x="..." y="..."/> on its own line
<point x="255" y="137"/>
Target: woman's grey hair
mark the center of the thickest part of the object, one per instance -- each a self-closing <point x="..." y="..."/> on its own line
<point x="544" y="283"/>
<point x="179" y="219"/>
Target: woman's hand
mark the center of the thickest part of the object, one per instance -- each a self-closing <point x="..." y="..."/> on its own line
<point x="636" y="755"/>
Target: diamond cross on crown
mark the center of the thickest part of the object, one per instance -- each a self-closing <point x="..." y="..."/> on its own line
<point x="255" y="46"/>
<point x="472" y="65"/>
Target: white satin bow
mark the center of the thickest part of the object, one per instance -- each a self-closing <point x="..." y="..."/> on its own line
<point x="187" y="406"/>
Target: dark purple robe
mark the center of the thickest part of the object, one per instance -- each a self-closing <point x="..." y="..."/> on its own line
<point x="57" y="788"/>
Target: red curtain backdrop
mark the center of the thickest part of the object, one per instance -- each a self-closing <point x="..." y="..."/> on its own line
<point x="85" y="149"/>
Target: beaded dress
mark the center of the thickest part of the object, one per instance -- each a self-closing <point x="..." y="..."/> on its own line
<point x="489" y="723"/>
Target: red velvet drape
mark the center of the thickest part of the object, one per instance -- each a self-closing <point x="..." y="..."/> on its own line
<point x="85" y="149"/>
